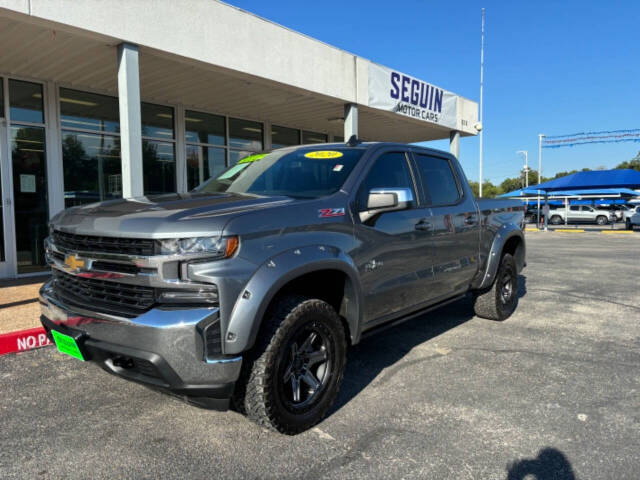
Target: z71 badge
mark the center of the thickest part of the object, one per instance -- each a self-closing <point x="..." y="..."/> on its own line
<point x="331" y="212"/>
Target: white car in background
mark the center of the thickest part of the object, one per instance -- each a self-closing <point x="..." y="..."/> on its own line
<point x="632" y="217"/>
<point x="579" y="214"/>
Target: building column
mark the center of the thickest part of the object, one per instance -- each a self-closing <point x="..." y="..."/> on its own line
<point x="454" y="143"/>
<point x="130" y="120"/>
<point x="181" y="150"/>
<point x="350" y="121"/>
<point x="267" y="141"/>
<point x="55" y="168"/>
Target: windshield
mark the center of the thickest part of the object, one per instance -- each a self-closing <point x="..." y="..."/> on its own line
<point x="303" y="173"/>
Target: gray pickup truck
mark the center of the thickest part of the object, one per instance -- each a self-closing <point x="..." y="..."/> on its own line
<point x="251" y="288"/>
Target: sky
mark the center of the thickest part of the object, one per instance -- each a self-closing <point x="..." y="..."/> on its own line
<point x="551" y="67"/>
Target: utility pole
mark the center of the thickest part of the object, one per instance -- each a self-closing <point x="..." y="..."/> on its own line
<point x="526" y="167"/>
<point x="481" y="88"/>
<point x="540" y="137"/>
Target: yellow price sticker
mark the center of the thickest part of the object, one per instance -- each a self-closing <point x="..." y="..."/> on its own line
<point x="323" y="154"/>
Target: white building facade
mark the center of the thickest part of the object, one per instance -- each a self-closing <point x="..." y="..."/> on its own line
<point x="100" y="100"/>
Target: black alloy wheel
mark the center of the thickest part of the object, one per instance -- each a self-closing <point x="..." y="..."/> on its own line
<point x="305" y="368"/>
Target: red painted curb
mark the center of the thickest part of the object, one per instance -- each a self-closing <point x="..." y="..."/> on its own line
<point x="23" y="340"/>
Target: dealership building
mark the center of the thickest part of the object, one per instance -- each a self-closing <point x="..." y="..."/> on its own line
<point x="108" y="99"/>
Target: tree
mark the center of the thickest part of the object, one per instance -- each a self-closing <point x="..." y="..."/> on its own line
<point x="633" y="164"/>
<point x="489" y="190"/>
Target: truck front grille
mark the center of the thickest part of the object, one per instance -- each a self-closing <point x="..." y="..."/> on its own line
<point x="103" y="296"/>
<point x="90" y="243"/>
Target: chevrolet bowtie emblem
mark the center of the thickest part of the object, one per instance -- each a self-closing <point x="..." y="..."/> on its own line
<point x="73" y="262"/>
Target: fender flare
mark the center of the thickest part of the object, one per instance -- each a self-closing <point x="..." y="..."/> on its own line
<point x="503" y="235"/>
<point x="251" y="304"/>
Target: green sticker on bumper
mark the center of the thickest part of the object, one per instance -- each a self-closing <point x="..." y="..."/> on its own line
<point x="67" y="344"/>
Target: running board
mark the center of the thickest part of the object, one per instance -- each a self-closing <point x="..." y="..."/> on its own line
<point x="392" y="323"/>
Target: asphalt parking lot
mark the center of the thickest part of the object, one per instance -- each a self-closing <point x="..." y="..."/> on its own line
<point x="553" y="392"/>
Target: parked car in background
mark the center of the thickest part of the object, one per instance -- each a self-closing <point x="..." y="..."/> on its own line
<point x="632" y="218"/>
<point x="618" y="210"/>
<point x="531" y="213"/>
<point x="580" y="214"/>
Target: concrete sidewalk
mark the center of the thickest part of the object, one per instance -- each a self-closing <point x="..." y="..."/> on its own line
<point x="19" y="308"/>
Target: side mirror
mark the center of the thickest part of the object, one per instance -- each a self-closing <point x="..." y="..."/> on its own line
<point x="386" y="200"/>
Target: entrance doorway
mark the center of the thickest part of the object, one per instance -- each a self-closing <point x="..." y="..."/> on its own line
<point x="23" y="178"/>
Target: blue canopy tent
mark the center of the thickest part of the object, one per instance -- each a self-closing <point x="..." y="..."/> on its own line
<point x="591" y="180"/>
<point x="593" y="187"/>
<point x="533" y="192"/>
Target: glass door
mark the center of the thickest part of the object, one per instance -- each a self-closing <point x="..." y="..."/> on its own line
<point x="28" y="169"/>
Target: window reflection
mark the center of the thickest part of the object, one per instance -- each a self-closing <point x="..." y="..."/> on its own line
<point x="245" y="134"/>
<point x="203" y="163"/>
<point x="204" y="128"/>
<point x="313" y="137"/>
<point x="91" y="164"/>
<point x="29" y="195"/>
<point x="157" y="121"/>
<point x="159" y="167"/>
<point x="88" y="111"/>
<point x="25" y="102"/>
<point x="284" y="137"/>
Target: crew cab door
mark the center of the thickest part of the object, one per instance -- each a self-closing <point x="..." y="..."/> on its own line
<point x="455" y="224"/>
<point x="393" y="257"/>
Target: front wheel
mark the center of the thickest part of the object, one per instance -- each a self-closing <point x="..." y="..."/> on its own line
<point x="292" y="377"/>
<point x="628" y="225"/>
<point x="556" y="220"/>
<point x="601" y="220"/>
<point x="499" y="301"/>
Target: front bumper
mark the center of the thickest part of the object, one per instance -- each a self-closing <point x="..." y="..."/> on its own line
<point x="161" y="348"/>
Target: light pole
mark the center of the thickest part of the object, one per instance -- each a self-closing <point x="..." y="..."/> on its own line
<point x="540" y="137"/>
<point x="526" y="167"/>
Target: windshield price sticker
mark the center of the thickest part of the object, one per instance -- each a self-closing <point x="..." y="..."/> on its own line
<point x="323" y="154"/>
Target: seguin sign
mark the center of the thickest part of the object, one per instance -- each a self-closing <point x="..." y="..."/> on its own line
<point x="396" y="92"/>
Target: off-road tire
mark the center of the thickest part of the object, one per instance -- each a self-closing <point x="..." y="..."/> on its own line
<point x="488" y="303"/>
<point x="601" y="220"/>
<point x="257" y="392"/>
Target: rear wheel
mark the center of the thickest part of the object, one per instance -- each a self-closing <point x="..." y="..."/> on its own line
<point x="601" y="220"/>
<point x="556" y="220"/>
<point x="499" y="301"/>
<point x="628" y="225"/>
<point x="292" y="377"/>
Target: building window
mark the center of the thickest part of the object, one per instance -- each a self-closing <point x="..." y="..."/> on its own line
<point x="313" y="137"/>
<point x="92" y="167"/>
<point x="284" y="137"/>
<point x="28" y="158"/>
<point x="89" y="111"/>
<point x="25" y="102"/>
<point x="206" y="137"/>
<point x="90" y="147"/>
<point x="245" y="137"/>
<point x="158" y="149"/>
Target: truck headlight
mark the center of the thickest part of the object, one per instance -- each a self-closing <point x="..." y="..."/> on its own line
<point x="216" y="247"/>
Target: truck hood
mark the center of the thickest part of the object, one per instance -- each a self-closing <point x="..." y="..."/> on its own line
<point x="162" y="216"/>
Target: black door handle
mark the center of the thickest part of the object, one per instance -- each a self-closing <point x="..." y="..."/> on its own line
<point x="423" y="225"/>
<point x="470" y="221"/>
